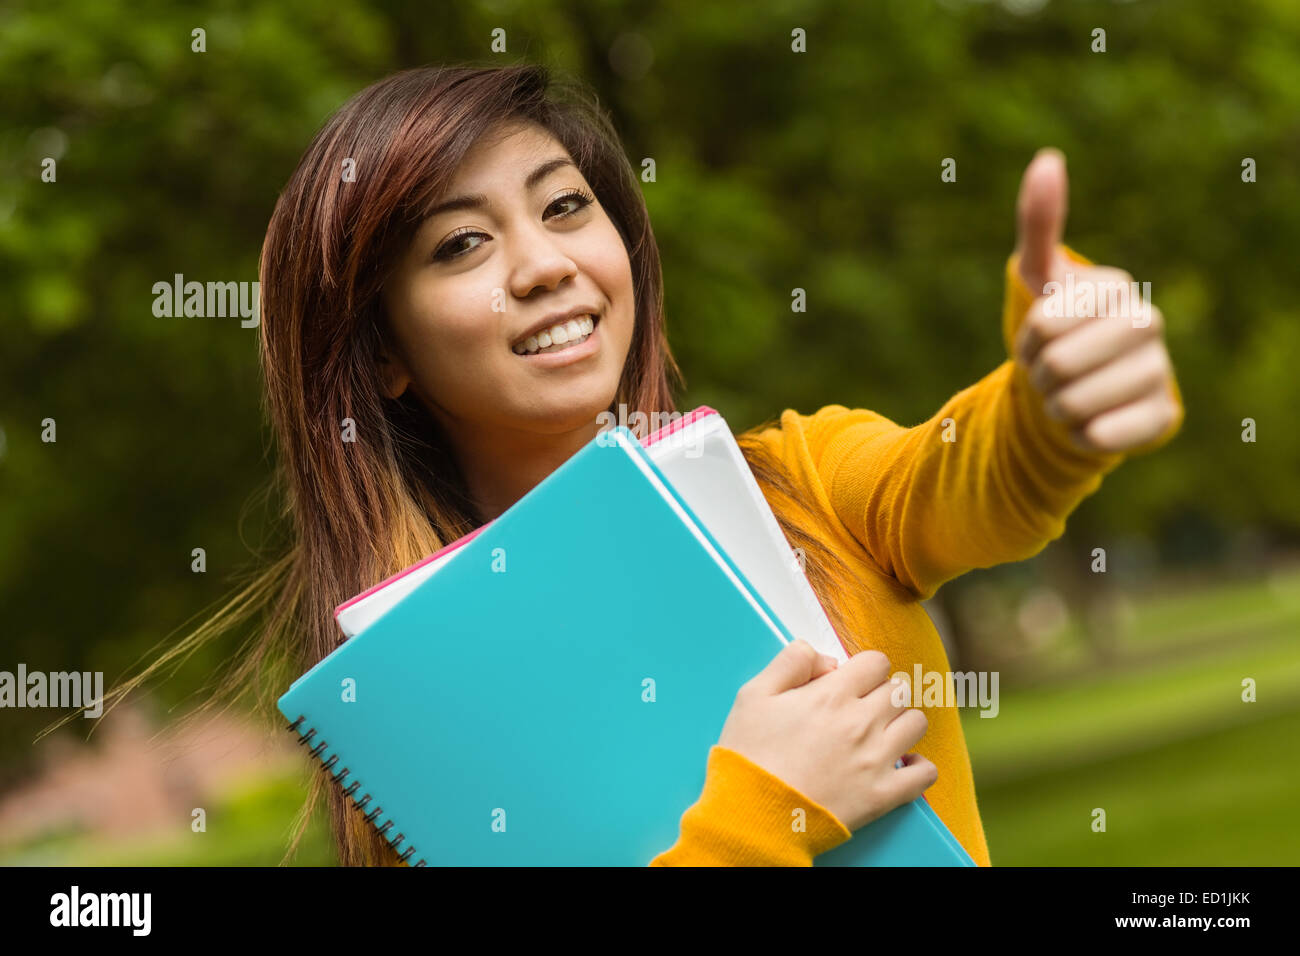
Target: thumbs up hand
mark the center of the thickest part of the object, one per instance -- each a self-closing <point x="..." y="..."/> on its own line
<point x="1092" y="347"/>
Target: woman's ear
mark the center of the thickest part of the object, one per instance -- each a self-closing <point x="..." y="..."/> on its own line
<point x="393" y="373"/>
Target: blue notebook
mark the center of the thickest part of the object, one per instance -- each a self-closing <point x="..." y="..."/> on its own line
<point x="549" y="697"/>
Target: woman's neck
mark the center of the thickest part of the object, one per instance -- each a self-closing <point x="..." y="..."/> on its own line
<point x="500" y="467"/>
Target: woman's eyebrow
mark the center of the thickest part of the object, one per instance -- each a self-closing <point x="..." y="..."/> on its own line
<point x="480" y="201"/>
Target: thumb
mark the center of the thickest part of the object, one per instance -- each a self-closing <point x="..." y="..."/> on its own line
<point x="1040" y="217"/>
<point x="796" y="664"/>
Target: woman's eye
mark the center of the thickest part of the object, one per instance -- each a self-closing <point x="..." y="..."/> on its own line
<point x="446" y="250"/>
<point x="450" y="249"/>
<point x="580" y="198"/>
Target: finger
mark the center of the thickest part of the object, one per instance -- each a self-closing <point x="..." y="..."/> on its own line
<point x="906" y="730"/>
<point x="1086" y="347"/>
<point x="1131" y="425"/>
<point x="912" y="779"/>
<point x="862" y="673"/>
<point x="1066" y="308"/>
<point x="1126" y="379"/>
<point x="886" y="702"/>
<point x="825" y="664"/>
<point x="793" y="666"/>
<point x="1040" y="217"/>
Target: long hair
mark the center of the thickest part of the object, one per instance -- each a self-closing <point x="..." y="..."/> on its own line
<point x="361" y="510"/>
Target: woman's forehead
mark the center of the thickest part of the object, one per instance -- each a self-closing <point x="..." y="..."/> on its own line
<point x="516" y="140"/>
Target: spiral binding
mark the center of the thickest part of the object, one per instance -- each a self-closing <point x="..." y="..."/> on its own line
<point x="351" y="789"/>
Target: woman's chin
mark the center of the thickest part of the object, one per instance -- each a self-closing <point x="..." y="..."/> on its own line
<point x="563" y="415"/>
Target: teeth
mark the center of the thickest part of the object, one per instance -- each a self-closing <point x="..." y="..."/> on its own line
<point x="564" y="333"/>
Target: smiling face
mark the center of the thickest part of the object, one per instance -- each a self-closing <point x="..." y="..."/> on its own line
<point x="523" y="238"/>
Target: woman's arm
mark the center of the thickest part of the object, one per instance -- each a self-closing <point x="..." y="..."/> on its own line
<point x="747" y="817"/>
<point x="990" y="478"/>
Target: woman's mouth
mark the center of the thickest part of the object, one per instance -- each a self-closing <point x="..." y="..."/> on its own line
<point x="560" y="337"/>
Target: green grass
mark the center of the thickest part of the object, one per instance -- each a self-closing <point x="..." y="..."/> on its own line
<point x="1235" y="608"/>
<point x="1059" y="726"/>
<point x="1225" y="798"/>
<point x="1187" y="772"/>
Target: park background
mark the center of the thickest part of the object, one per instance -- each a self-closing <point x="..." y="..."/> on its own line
<point x="775" y="170"/>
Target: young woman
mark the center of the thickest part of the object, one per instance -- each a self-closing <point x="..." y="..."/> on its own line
<point x="461" y="271"/>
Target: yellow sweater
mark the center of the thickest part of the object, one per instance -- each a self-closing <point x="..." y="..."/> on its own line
<point x="906" y="511"/>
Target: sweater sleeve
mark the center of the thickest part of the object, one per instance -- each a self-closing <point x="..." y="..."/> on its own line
<point x="990" y="478"/>
<point x="748" y="817"/>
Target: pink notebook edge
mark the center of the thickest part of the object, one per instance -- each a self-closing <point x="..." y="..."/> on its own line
<point x="447" y="549"/>
<point x="658" y="435"/>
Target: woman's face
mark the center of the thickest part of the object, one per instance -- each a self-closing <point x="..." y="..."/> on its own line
<point x="525" y="240"/>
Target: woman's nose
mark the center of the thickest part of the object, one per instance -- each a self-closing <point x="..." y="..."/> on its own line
<point x="540" y="260"/>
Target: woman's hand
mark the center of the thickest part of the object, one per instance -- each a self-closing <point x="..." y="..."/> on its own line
<point x="832" y="732"/>
<point x="1091" y="345"/>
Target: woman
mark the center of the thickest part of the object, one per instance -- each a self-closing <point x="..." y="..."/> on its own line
<point x="460" y="276"/>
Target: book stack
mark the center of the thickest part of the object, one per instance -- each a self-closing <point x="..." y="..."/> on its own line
<point x="545" y="690"/>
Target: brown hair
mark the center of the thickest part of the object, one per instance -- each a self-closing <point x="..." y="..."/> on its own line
<point x="363" y="510"/>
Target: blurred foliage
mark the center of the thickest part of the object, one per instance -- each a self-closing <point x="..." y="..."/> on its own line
<point x="775" y="171"/>
<point x="247" y="827"/>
